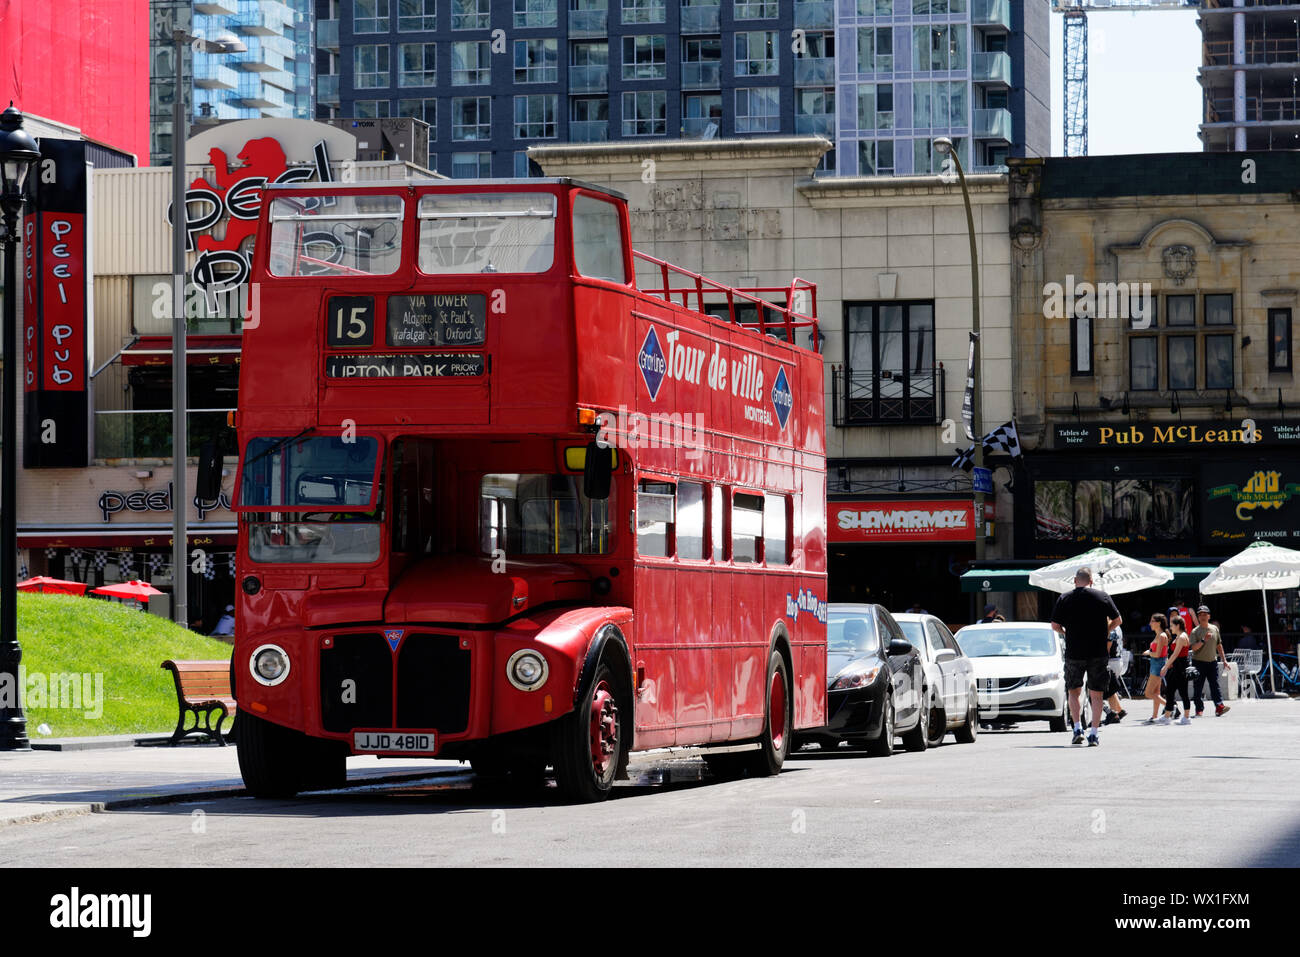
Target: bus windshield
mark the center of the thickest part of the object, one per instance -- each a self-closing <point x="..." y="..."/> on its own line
<point x="486" y="233"/>
<point x="336" y="235"/>
<point x="1032" y="642"/>
<point x="317" y="472"/>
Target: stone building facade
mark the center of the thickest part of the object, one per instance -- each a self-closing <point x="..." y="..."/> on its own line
<point x="1154" y="301"/>
<point x="891" y="260"/>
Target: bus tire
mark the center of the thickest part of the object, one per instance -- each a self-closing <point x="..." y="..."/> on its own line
<point x="775" y="743"/>
<point x="588" y="744"/>
<point x="270" y="757"/>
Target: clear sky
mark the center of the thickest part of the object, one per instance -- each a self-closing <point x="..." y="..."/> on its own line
<point x="1142" y="91"/>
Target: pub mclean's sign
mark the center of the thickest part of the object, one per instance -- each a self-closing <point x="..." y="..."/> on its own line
<point x="1247" y="433"/>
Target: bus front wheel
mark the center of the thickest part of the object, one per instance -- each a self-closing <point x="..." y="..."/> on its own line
<point x="277" y="762"/>
<point x="589" y="744"/>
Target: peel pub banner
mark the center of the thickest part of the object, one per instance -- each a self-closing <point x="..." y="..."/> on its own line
<point x="54" y="331"/>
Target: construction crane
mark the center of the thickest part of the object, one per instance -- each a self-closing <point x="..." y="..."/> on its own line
<point x="1075" y="57"/>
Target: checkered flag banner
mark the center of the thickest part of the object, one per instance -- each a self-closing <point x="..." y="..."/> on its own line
<point x="1002" y="439"/>
<point x="75" y="556"/>
<point x="101" y="559"/>
<point x="22" y="568"/>
<point x="50" y="553"/>
<point x="232" y="564"/>
<point x="156" y="563"/>
<point x="209" y="568"/>
<point x="125" y="562"/>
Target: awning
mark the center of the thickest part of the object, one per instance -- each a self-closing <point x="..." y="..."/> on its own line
<point x="200" y="350"/>
<point x="1017" y="579"/>
<point x="109" y="536"/>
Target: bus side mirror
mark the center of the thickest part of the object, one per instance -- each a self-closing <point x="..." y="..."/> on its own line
<point x="208" y="484"/>
<point x="597" y="471"/>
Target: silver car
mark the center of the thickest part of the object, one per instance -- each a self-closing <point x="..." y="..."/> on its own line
<point x="1020" y="671"/>
<point x="950" y="678"/>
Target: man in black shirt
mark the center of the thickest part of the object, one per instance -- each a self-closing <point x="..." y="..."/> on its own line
<point x="1085" y="616"/>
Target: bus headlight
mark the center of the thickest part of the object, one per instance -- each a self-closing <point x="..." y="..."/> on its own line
<point x="269" y="665"/>
<point x="527" y="670"/>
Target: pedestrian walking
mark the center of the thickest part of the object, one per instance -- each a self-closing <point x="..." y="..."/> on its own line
<point x="1175" y="673"/>
<point x="1156" y="655"/>
<point x="1086" y="616"/>
<point x="1114" y="668"/>
<point x="1207" y="652"/>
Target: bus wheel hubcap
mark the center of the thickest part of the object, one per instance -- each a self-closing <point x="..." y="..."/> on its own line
<point x="776" y="711"/>
<point x="604" y="729"/>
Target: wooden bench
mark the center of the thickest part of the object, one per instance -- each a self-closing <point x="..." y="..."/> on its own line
<point x="202" y="689"/>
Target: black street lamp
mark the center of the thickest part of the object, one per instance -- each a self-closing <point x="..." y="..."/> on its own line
<point x="18" y="152"/>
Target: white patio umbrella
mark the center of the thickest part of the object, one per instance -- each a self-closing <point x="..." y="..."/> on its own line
<point x="1261" y="565"/>
<point x="1112" y="572"/>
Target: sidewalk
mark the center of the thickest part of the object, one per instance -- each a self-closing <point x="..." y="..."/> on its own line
<point x="42" y="784"/>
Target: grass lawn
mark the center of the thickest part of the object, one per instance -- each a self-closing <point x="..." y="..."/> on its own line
<point x="115" y="652"/>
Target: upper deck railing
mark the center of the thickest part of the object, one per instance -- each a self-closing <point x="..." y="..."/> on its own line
<point x="771" y="319"/>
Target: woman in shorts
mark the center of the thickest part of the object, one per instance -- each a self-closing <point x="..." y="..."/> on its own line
<point x="1156" y="658"/>
<point x="1175" y="671"/>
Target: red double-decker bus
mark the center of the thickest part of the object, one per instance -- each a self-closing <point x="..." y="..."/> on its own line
<point x="499" y="504"/>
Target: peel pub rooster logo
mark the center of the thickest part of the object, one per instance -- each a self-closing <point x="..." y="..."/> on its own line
<point x="225" y="262"/>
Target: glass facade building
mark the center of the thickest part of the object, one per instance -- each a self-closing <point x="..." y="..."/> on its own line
<point x="273" y="78"/>
<point x="880" y="78"/>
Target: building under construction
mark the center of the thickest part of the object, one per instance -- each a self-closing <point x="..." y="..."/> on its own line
<point x="1250" y="74"/>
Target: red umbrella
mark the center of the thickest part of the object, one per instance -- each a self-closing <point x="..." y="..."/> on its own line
<point x="137" y="590"/>
<point x="56" y="586"/>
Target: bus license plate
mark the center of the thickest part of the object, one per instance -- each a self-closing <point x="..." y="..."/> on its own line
<point x="392" y="741"/>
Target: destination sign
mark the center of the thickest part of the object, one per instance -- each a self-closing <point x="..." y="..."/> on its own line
<point x="437" y="320"/>
<point x="407" y="366"/>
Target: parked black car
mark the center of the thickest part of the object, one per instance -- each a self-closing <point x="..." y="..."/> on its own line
<point x="875" y="682"/>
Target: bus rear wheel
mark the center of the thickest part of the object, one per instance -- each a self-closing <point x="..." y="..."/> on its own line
<point x="589" y="745"/>
<point x="775" y="743"/>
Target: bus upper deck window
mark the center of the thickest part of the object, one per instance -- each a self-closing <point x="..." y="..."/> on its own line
<point x="336" y="236"/>
<point x="598" y="240"/>
<point x="464" y="233"/>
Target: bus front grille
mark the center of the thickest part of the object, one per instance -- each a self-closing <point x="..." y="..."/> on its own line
<point x="433" y="682"/>
<point x="356" y="683"/>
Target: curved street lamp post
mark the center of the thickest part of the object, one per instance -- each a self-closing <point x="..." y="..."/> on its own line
<point x="945" y="145"/>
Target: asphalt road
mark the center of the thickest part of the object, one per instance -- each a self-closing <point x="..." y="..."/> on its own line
<point x="1218" y="793"/>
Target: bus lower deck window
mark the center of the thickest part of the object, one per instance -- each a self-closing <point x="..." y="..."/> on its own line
<point x="539" y="514"/>
<point x="655" y="519"/>
<point x="746" y="527"/>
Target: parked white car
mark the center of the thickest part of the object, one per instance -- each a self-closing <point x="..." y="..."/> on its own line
<point x="950" y="678"/>
<point x="1019" y="671"/>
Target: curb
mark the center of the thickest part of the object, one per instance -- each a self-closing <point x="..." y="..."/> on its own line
<point x="103" y="742"/>
<point x="216" y="793"/>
